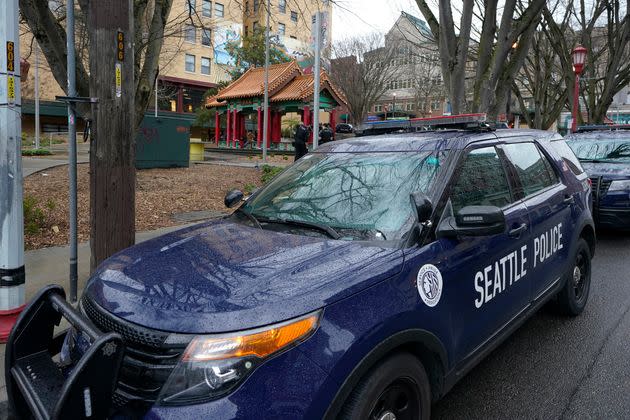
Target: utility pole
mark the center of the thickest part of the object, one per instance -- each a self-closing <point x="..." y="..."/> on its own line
<point x="316" y="78"/>
<point x="112" y="147"/>
<point x="266" y="104"/>
<point x="12" y="273"/>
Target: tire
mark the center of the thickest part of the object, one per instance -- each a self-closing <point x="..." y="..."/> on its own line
<point x="577" y="283"/>
<point x="397" y="387"/>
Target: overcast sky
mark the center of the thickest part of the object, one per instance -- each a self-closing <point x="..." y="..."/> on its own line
<point x="352" y="17"/>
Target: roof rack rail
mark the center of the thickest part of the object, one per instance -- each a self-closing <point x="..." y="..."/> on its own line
<point x="602" y="127"/>
<point x="472" y="122"/>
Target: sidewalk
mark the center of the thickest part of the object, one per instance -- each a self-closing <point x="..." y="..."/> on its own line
<point x="50" y="266"/>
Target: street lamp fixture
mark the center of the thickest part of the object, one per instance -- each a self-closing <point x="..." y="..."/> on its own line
<point x="578" y="56"/>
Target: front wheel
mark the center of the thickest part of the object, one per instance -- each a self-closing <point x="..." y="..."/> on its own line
<point x="397" y="389"/>
<point x="577" y="283"/>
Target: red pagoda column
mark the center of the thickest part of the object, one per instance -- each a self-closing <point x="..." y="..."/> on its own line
<point x="228" y="131"/>
<point x="217" y="127"/>
<point x="260" y="124"/>
<point x="333" y="120"/>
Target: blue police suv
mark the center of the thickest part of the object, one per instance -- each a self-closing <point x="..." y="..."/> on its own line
<point x="604" y="152"/>
<point x="362" y="283"/>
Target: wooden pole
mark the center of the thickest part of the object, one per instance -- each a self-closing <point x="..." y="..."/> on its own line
<point x="112" y="149"/>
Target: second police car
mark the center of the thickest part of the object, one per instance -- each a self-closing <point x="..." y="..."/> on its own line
<point x="363" y="282"/>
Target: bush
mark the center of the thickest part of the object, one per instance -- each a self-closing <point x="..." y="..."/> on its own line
<point x="249" y="188"/>
<point x="269" y="172"/>
<point x="34" y="217"/>
<point x="36" y="152"/>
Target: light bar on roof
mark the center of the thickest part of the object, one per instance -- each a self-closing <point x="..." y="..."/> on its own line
<point x="448" y="120"/>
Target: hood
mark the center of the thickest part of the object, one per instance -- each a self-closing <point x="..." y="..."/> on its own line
<point x="222" y="276"/>
<point x="607" y="170"/>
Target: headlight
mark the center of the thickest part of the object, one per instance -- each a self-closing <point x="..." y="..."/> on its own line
<point x="620" y="185"/>
<point x="212" y="366"/>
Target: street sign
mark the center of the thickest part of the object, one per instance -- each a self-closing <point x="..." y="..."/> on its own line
<point x="10" y="57"/>
<point x="118" y="80"/>
<point x="11" y="90"/>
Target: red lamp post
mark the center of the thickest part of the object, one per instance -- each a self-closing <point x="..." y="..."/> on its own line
<point x="579" y="58"/>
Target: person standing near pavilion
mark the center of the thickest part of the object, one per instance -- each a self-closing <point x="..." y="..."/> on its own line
<point x="301" y="138"/>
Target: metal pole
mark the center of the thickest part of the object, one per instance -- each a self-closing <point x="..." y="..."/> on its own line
<point x="72" y="149"/>
<point x="266" y="104"/>
<point x="576" y="102"/>
<point x="12" y="274"/>
<point x="316" y="79"/>
<point x="36" y="96"/>
<point x="157" y="80"/>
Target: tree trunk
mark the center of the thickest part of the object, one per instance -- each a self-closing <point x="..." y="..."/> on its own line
<point x="112" y="151"/>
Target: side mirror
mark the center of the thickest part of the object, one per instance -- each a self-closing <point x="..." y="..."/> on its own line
<point x="473" y="221"/>
<point x="232" y="198"/>
<point x="423" y="206"/>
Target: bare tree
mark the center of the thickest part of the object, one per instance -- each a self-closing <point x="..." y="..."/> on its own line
<point x="362" y="69"/>
<point x="499" y="48"/>
<point x="603" y="27"/>
<point x="541" y="80"/>
<point x="427" y="82"/>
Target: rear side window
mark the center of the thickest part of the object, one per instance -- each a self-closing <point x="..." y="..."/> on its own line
<point x="532" y="168"/>
<point x="481" y="182"/>
<point x="568" y="156"/>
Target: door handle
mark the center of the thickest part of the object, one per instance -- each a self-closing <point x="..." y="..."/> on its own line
<point x="516" y="232"/>
<point x="568" y="199"/>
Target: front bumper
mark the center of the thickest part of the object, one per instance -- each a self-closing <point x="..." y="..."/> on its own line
<point x="614" y="218"/>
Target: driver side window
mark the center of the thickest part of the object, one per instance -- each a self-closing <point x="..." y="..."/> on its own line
<point x="481" y="182"/>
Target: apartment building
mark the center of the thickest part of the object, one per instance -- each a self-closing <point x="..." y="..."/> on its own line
<point x="194" y="56"/>
<point x="417" y="90"/>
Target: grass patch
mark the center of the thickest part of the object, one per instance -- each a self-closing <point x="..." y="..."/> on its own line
<point x="36" y="152"/>
<point x="269" y="172"/>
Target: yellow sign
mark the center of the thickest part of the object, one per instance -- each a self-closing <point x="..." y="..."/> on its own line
<point x="120" y="40"/>
<point x="118" y="80"/>
<point x="10" y="57"/>
<point x="11" y="89"/>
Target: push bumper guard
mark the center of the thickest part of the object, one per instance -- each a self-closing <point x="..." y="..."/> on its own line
<point x="37" y="386"/>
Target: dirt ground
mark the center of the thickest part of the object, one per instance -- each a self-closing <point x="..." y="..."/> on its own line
<point x="160" y="193"/>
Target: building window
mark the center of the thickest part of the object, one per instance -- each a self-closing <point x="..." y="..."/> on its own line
<point x="255" y="26"/>
<point x="206" y="37"/>
<point x="256" y="5"/>
<point x="206" y="8"/>
<point x="294" y="17"/>
<point x="205" y="65"/>
<point x="282" y="29"/>
<point x="282" y="6"/>
<point x="378" y="108"/>
<point x="409" y="107"/>
<point x="190" y="63"/>
<point x="192" y="5"/>
<point x="293" y="37"/>
<point x="190" y="34"/>
<point x="218" y="10"/>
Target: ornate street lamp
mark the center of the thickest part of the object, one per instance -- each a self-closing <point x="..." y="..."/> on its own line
<point x="579" y="58"/>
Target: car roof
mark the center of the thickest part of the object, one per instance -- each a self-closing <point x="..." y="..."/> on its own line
<point x="424" y="140"/>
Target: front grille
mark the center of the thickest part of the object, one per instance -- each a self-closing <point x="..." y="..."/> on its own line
<point x="600" y="186"/>
<point x="147" y="362"/>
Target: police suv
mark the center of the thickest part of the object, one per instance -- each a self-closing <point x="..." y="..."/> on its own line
<point x="363" y="282"/>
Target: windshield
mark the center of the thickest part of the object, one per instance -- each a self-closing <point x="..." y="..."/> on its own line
<point x="360" y="196"/>
<point x="608" y="150"/>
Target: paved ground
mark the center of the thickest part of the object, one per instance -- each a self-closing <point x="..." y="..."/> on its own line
<point x="30" y="165"/>
<point x="556" y="367"/>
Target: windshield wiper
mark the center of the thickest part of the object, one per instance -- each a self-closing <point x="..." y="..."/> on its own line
<point x="322" y="228"/>
<point x="249" y="216"/>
